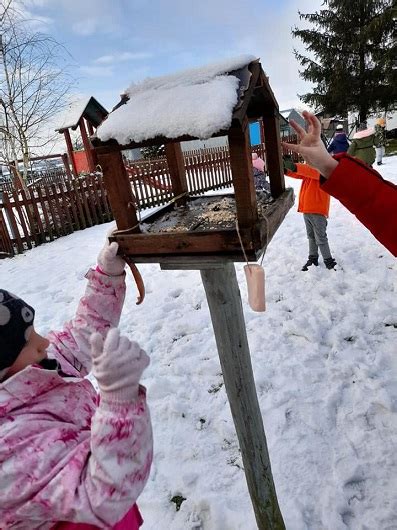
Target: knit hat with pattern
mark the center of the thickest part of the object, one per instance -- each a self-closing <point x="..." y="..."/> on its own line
<point x="16" y="322"/>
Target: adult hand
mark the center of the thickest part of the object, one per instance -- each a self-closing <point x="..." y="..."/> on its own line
<point x="311" y="146"/>
<point x="117" y="364"/>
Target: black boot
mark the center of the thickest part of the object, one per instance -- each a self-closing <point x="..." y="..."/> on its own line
<point x="312" y="260"/>
<point x="379" y="163"/>
<point x="330" y="263"/>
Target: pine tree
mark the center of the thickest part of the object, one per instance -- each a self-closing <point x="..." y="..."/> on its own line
<point x="352" y="56"/>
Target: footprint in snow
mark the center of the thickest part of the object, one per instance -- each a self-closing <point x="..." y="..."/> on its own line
<point x="355" y="489"/>
<point x="176" y="293"/>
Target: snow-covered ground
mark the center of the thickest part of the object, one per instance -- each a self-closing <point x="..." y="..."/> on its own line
<point x="325" y="363"/>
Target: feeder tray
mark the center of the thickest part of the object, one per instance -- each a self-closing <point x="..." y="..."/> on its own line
<point x="203" y="229"/>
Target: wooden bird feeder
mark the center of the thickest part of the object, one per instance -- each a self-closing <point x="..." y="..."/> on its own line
<point x="257" y="223"/>
<point x="210" y="249"/>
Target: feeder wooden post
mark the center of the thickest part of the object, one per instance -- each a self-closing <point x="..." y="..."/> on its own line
<point x="242" y="175"/>
<point x="274" y="155"/>
<point x="118" y="187"/>
<point x="227" y="317"/>
<point x="176" y="167"/>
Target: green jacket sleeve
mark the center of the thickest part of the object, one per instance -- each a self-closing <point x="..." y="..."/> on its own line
<point x="352" y="148"/>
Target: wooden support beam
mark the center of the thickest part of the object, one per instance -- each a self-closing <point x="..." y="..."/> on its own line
<point x="69" y="147"/>
<point x="94" y="154"/>
<point x="66" y="165"/>
<point x="44" y="157"/>
<point x="240" y="113"/>
<point x="118" y="187"/>
<point x="262" y="131"/>
<point x="274" y="157"/>
<point x="176" y="167"/>
<point x="87" y="146"/>
<point x="226" y="310"/>
<point x="242" y="175"/>
<point x="90" y="128"/>
<point x="267" y="91"/>
<point x="271" y="125"/>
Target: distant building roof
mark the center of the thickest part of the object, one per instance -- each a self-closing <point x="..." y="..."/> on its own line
<point x="283" y="119"/>
<point x="286" y="113"/>
<point x="88" y="108"/>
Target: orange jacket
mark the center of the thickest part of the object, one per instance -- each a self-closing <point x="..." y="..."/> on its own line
<point x="312" y="199"/>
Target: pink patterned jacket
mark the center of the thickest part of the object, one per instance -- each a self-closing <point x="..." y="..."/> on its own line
<point x="65" y="455"/>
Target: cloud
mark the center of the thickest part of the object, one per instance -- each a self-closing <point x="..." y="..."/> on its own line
<point x="122" y="57"/>
<point x="185" y="33"/>
<point x="84" y="17"/>
<point x="85" y="27"/>
<point x="25" y="12"/>
<point x="97" y="71"/>
<point x="92" y="17"/>
<point x="35" y="3"/>
<point x="38" y="23"/>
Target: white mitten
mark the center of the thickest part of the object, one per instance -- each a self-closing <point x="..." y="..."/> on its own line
<point x="108" y="260"/>
<point x="117" y="364"/>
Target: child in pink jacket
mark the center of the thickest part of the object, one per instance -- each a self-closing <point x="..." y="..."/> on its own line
<point x="258" y="163"/>
<point x="70" y="458"/>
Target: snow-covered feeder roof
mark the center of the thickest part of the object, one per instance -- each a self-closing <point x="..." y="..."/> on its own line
<point x="195" y="103"/>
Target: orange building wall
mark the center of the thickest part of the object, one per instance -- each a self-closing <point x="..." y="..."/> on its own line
<point x="80" y="159"/>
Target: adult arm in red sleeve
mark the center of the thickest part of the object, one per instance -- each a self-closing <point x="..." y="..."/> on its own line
<point x="367" y="195"/>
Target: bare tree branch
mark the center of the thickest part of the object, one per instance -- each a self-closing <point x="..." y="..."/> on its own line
<point x="34" y="84"/>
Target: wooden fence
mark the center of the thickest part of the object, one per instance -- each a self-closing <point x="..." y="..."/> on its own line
<point x="52" y="176"/>
<point x="57" y="205"/>
<point x="206" y="169"/>
<point x="45" y="212"/>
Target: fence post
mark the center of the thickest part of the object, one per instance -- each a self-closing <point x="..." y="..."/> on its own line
<point x="6" y="246"/>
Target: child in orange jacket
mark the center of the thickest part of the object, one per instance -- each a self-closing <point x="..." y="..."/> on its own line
<point x="357" y="186"/>
<point x="314" y="204"/>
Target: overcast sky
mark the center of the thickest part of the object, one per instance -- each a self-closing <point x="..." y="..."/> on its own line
<point x="116" y="42"/>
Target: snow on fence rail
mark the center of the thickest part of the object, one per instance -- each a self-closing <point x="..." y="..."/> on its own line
<point x="56" y="205"/>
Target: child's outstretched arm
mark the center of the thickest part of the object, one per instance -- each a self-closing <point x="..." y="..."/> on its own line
<point x="90" y="469"/>
<point x="303" y="171"/>
<point x="98" y="311"/>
